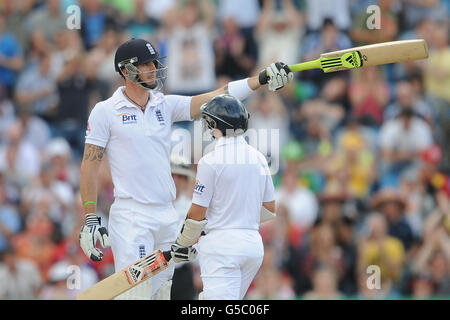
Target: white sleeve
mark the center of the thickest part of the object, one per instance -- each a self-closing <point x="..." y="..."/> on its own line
<point x="204" y="184"/>
<point x="180" y="107"/>
<point x="98" y="129"/>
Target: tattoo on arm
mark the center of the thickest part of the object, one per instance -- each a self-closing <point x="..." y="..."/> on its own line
<point x="226" y="89"/>
<point x="93" y="153"/>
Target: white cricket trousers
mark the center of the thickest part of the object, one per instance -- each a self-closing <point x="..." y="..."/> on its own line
<point x="137" y="229"/>
<point x="229" y="260"/>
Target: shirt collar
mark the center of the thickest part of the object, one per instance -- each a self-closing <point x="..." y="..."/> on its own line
<point x="230" y="140"/>
<point x="121" y="101"/>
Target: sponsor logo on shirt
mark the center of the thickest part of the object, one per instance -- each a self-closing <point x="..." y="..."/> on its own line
<point x="199" y="188"/>
<point x="128" y="118"/>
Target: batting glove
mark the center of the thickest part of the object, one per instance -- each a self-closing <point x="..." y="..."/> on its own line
<point x="277" y="75"/>
<point x="90" y="233"/>
<point x="180" y="253"/>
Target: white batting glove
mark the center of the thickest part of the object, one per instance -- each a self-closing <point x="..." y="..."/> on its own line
<point x="90" y="233"/>
<point x="277" y="75"/>
<point x="180" y="253"/>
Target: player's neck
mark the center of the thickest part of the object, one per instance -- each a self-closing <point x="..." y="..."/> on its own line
<point x="137" y="95"/>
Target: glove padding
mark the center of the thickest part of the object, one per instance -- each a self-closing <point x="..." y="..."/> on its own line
<point x="181" y="253"/>
<point x="277" y="75"/>
<point x="90" y="233"/>
<point x="190" y="232"/>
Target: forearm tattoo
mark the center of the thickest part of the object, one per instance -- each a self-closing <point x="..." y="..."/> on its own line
<point x="93" y="153"/>
<point x="226" y="89"/>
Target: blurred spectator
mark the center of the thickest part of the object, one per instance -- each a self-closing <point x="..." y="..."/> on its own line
<point x="48" y="186"/>
<point x="36" y="130"/>
<point x="270" y="282"/>
<point x="401" y="141"/>
<point x="318" y="11"/>
<point x="324" y="285"/>
<point x="232" y="58"/>
<point x="159" y="9"/>
<point x="419" y="202"/>
<point x="97" y="69"/>
<point x="190" y="54"/>
<point x="300" y="201"/>
<point x="392" y="204"/>
<point x="36" y="242"/>
<point x="278" y="33"/>
<point x="58" y="154"/>
<point x="321" y="251"/>
<point x="7" y="114"/>
<point x="406" y="97"/>
<point x="20" y="278"/>
<point x="437" y="72"/>
<point x="377" y="248"/>
<point x="268" y="113"/>
<point x="95" y="20"/>
<point x="368" y="94"/>
<point x="345" y="235"/>
<point x="437" y="82"/>
<point x="331" y="201"/>
<point x="415" y="11"/>
<point x="73" y="89"/>
<point x="19" y="159"/>
<point x="140" y="25"/>
<point x="15" y="13"/>
<point x="387" y="29"/>
<point x="433" y="257"/>
<point x="353" y="164"/>
<point x="66" y="275"/>
<point x="11" y="60"/>
<point x="245" y="14"/>
<point x="36" y="88"/>
<point x="48" y="18"/>
<point x="10" y="221"/>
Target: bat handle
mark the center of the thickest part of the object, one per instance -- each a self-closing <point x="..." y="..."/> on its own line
<point x="167" y="255"/>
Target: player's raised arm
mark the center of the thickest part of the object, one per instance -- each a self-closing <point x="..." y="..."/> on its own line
<point x="276" y="75"/>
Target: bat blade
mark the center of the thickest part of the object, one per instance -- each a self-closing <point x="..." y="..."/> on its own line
<point x="370" y="55"/>
<point x="128" y="277"/>
<point x="382" y="53"/>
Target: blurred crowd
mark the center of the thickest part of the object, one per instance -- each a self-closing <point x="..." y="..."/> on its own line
<point x="362" y="189"/>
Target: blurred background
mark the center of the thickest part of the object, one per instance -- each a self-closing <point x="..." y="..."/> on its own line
<point x="364" y="155"/>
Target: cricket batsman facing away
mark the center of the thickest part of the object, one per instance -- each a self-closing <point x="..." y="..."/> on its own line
<point x="133" y="128"/>
<point x="234" y="193"/>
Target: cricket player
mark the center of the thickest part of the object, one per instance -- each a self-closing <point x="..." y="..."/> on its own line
<point x="133" y="129"/>
<point x="233" y="194"/>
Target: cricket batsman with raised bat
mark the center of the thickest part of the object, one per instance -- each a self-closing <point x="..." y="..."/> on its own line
<point x="133" y="128"/>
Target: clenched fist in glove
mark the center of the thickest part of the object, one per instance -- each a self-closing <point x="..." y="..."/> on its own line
<point x="277" y="75"/>
<point x="90" y="233"/>
<point x="180" y="253"/>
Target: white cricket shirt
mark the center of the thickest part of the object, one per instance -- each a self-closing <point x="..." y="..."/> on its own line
<point x="138" y="143"/>
<point x="232" y="182"/>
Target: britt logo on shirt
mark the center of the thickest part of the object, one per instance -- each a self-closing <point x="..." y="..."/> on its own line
<point x="199" y="187"/>
<point x="127" y="118"/>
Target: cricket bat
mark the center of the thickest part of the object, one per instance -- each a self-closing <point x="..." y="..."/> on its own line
<point x="128" y="277"/>
<point x="370" y="55"/>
